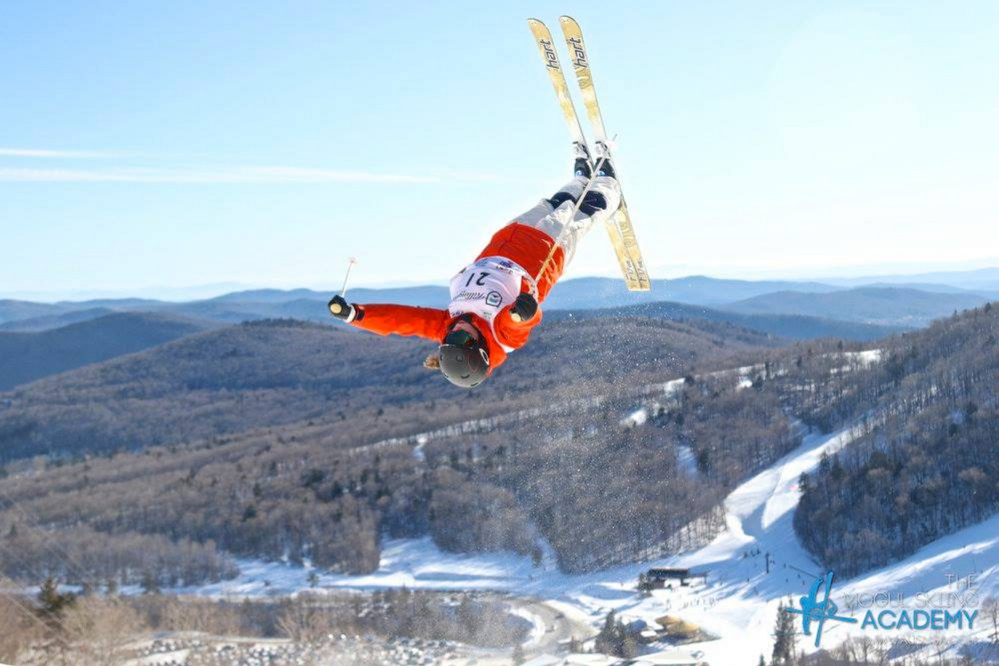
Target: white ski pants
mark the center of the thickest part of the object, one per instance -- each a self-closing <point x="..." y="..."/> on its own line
<point x="600" y="203"/>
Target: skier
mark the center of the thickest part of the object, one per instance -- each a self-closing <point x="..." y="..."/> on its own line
<point x="495" y="299"/>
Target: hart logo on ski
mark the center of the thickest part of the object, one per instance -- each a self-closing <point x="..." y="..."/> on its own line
<point x="550" y="55"/>
<point x="578" y="53"/>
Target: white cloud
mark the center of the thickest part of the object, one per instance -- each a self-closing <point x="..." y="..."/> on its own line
<point x="56" y="154"/>
<point x="247" y="174"/>
<point x="149" y="168"/>
<point x="309" y="175"/>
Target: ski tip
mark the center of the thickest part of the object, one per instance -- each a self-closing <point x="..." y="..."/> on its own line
<point x="539" y="29"/>
<point x="568" y="19"/>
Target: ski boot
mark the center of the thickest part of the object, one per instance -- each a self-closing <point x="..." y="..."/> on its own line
<point x="606" y="169"/>
<point x="581" y="160"/>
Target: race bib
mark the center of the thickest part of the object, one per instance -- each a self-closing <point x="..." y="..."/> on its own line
<point x="485" y="288"/>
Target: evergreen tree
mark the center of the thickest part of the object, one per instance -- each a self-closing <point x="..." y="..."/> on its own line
<point x="607" y="640"/>
<point x="784" y="638"/>
<point x="628" y="644"/>
<point x="150" y="584"/>
<point x="469" y="617"/>
<point x="643" y="585"/>
<point x="614" y="639"/>
<point x="53" y="603"/>
<point x="518" y="655"/>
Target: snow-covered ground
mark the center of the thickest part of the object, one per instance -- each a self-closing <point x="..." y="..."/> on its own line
<point x="413" y="563"/>
<point x="866" y="357"/>
<point x="739" y="601"/>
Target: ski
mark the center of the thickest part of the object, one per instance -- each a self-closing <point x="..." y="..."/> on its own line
<point x="615" y="231"/>
<point x="543" y="38"/>
<point x="629" y="254"/>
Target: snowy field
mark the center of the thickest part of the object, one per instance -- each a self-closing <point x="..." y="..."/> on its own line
<point x="738" y="603"/>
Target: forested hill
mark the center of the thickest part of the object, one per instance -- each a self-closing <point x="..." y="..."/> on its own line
<point x="271" y="373"/>
<point x="927" y="464"/>
<point x="48" y="322"/>
<point x="28" y="356"/>
<point x="882" y="305"/>
<point x="637" y="469"/>
<point x="281" y="469"/>
<point x="787" y="326"/>
<point x="599" y="487"/>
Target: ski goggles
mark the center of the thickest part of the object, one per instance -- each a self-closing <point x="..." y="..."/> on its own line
<point x="461" y="339"/>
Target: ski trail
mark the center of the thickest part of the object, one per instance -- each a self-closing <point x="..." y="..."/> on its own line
<point x="786" y="493"/>
<point x="758" y="519"/>
<point x="753" y="507"/>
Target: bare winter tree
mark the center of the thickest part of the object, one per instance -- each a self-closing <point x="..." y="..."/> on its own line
<point x="19" y="628"/>
<point x="990" y="609"/>
<point x="99" y="630"/>
<point x="303" y="621"/>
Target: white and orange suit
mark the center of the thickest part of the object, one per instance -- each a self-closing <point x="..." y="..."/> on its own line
<point x="509" y="265"/>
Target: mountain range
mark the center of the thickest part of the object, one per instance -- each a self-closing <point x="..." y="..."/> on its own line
<point x="908" y="306"/>
<point x="25" y="357"/>
<point x="890" y="306"/>
<point x="42" y="339"/>
<point x="979" y="279"/>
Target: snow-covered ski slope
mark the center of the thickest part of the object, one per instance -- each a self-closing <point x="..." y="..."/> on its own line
<point x="738" y="604"/>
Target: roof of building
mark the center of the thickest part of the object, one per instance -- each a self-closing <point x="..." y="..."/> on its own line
<point x="671" y="657"/>
<point x="576" y="659"/>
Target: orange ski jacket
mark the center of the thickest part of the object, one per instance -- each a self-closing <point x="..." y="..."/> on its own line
<point x="526" y="246"/>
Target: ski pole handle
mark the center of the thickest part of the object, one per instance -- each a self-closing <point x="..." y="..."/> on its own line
<point x="336" y="308"/>
<point x="350" y="264"/>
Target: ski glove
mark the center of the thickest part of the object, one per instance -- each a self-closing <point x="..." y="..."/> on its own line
<point x="341" y="309"/>
<point x="524" y="308"/>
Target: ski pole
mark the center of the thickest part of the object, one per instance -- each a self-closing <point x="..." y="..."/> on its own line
<point x="575" y="209"/>
<point x="336" y="307"/>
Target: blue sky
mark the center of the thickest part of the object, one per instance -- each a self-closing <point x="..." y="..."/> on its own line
<point x="188" y="143"/>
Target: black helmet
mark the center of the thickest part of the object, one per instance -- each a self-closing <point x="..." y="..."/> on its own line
<point x="464" y="359"/>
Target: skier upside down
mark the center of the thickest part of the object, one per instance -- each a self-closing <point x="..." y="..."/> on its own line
<point x="495" y="299"/>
